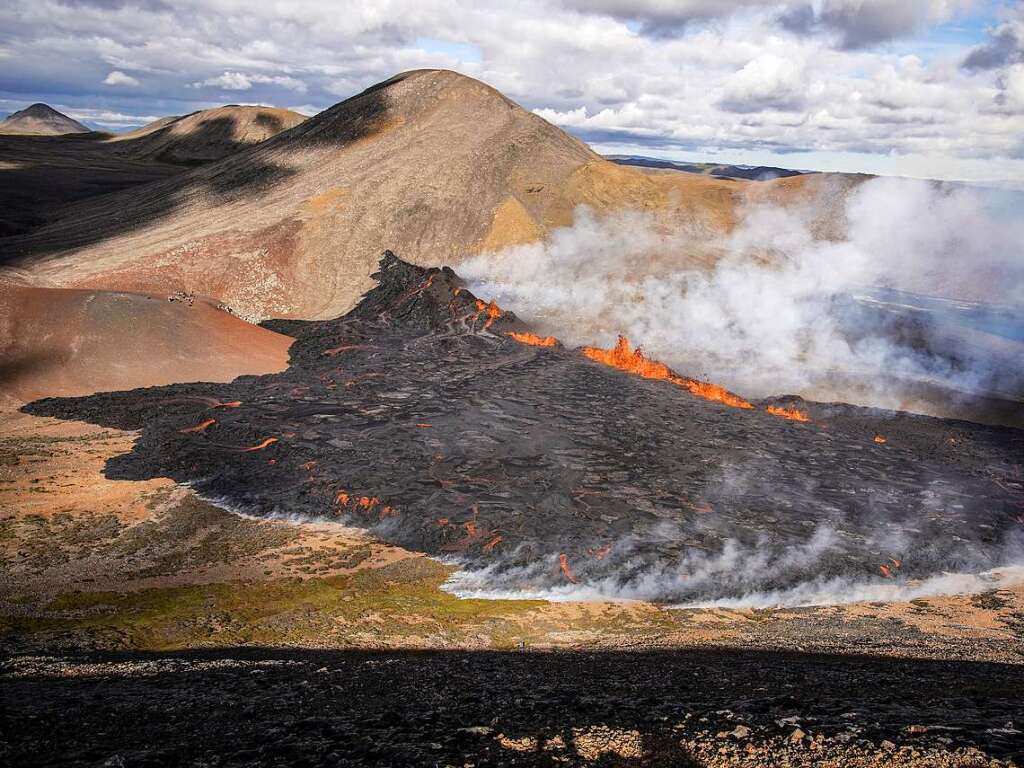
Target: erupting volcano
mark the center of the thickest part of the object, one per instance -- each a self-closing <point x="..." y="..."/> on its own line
<point x="544" y="470"/>
<point x="624" y="358"/>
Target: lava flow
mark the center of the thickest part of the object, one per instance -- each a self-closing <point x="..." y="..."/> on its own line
<point x="260" y="446"/>
<point x="533" y="340"/>
<point x="788" y="413"/>
<point x="563" y="566"/>
<point x="200" y="427"/>
<point x="623" y="357"/>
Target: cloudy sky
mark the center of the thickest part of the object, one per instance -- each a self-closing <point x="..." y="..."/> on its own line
<point x="930" y="88"/>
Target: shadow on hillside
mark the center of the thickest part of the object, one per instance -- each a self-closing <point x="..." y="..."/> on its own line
<point x="57" y="196"/>
<point x="257" y="705"/>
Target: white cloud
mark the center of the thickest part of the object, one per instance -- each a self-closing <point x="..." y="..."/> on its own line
<point x="237" y="81"/>
<point x="768" y="82"/>
<point x="119" y="78"/>
<point x="722" y="76"/>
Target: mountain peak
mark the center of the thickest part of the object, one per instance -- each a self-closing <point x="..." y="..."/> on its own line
<point x="41" y="119"/>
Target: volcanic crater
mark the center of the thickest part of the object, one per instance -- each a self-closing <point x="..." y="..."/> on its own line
<point x="438" y="421"/>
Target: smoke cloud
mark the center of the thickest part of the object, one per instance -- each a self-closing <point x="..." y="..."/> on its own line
<point x="922" y="288"/>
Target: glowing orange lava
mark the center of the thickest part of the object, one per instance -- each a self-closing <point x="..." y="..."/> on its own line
<point x="533" y="340"/>
<point x="623" y="357"/>
<point x="889" y="571"/>
<point x="261" y="446"/>
<point x="232" y="404"/>
<point x="788" y="413"/>
<point x="200" y="427"/>
<point x="880" y="440"/>
<point x="563" y="564"/>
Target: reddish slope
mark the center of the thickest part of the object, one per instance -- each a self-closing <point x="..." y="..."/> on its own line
<point x="75" y="342"/>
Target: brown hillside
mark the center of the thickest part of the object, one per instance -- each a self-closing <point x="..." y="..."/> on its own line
<point x="205" y="136"/>
<point x="432" y="164"/>
<point x="75" y="342"/>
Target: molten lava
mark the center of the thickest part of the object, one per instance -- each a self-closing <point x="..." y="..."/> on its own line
<point x="889" y="571"/>
<point x="533" y="340"/>
<point x="200" y="427"/>
<point x="261" y="446"/>
<point x="623" y="357"/>
<point x="788" y="413"/>
<point x="880" y="440"/>
<point x="563" y="565"/>
<point x="492" y="310"/>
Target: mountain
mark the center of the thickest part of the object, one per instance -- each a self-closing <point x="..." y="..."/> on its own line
<point x="41" y="119"/>
<point x="205" y="136"/>
<point x="431" y="164"/>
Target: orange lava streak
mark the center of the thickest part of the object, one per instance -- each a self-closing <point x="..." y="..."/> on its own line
<point x="200" y="427"/>
<point x="788" y="413"/>
<point x="261" y="446"/>
<point x="232" y="404"/>
<point x="342" y="498"/>
<point x="563" y="564"/>
<point x="490" y="545"/>
<point x="623" y="357"/>
<point x="880" y="440"/>
<point x="533" y="340"/>
<point x="889" y="571"/>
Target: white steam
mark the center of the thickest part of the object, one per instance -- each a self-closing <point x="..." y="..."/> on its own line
<point x="756" y="309"/>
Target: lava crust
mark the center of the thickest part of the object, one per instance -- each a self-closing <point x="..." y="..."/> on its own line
<point x="538" y="469"/>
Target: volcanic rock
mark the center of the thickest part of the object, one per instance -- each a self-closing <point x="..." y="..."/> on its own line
<point x="540" y="471"/>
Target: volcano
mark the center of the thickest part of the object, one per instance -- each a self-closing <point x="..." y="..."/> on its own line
<point x="41" y="119"/>
<point x="544" y="470"/>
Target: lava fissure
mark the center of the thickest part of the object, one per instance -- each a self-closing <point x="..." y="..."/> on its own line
<point x="530" y="453"/>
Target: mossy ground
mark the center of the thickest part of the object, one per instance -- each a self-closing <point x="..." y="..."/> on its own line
<point x="401" y="599"/>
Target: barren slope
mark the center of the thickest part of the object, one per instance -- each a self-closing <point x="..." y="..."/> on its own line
<point x="41" y="119"/>
<point x="430" y="163"/>
<point x="205" y="136"/>
<point x="77" y="342"/>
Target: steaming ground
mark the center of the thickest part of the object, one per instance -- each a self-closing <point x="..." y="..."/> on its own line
<point x="542" y="472"/>
<point x="919" y="305"/>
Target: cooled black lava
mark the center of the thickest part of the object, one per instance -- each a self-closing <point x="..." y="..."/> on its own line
<point x="418" y="416"/>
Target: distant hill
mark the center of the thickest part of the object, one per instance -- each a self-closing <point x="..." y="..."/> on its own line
<point x="749" y="172"/>
<point x="205" y="136"/>
<point x="431" y="164"/>
<point x="40" y="119"/>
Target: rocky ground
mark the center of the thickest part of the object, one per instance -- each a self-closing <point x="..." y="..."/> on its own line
<point x="665" y="708"/>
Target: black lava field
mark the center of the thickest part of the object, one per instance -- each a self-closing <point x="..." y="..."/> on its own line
<point x="541" y="471"/>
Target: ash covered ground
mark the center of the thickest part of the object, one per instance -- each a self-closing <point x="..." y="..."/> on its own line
<point x="541" y="471"/>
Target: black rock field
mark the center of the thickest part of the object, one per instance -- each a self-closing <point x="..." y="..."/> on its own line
<point x="541" y="471"/>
